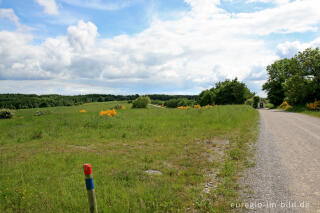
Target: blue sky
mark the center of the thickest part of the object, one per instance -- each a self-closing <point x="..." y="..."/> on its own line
<point x="147" y="46"/>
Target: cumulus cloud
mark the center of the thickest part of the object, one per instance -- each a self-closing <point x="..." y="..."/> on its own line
<point x="289" y="49"/>
<point x="203" y="46"/>
<point x="50" y="6"/>
<point x="82" y="36"/>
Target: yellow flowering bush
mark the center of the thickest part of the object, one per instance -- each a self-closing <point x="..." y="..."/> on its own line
<point x="313" y="106"/>
<point x="109" y="113"/>
<point x="83" y="110"/>
<point x="285" y="105"/>
<point x="183" y="107"/>
<point x="197" y="106"/>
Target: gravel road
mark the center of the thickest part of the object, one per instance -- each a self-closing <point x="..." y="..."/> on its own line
<point x="286" y="177"/>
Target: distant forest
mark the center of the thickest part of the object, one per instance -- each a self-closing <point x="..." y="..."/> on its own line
<point x="25" y="101"/>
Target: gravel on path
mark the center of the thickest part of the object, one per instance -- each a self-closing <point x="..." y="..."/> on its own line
<point x="286" y="177"/>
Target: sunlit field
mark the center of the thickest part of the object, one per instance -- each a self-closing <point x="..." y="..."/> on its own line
<point x="197" y="154"/>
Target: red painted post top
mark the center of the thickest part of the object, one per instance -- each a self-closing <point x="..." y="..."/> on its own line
<point x="87" y="169"/>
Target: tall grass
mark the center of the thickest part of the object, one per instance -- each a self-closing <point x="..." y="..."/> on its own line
<point x="41" y="157"/>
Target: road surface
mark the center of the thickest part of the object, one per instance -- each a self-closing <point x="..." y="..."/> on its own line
<point x="286" y="177"/>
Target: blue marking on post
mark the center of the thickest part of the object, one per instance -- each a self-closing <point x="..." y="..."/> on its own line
<point x="89" y="183"/>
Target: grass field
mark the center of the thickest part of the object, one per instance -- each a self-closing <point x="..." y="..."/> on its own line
<point x="312" y="113"/>
<point x="41" y="158"/>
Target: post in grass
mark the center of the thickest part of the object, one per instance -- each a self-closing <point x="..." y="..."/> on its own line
<point x="90" y="188"/>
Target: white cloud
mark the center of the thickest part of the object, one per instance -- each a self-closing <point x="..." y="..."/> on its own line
<point x="206" y="44"/>
<point x="10" y="15"/>
<point x="50" y="6"/>
<point x="82" y="36"/>
<point x="101" y="5"/>
<point x="289" y="49"/>
<point x="269" y="1"/>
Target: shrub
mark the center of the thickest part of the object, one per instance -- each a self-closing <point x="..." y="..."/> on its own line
<point x="157" y="102"/>
<point x="141" y="102"/>
<point x="197" y="106"/>
<point x="249" y="102"/>
<point x="256" y="100"/>
<point x="172" y="103"/>
<point x="285" y="105"/>
<point x="6" y="114"/>
<point x="118" y="106"/>
<point x="269" y="105"/>
<point x="313" y="106"/>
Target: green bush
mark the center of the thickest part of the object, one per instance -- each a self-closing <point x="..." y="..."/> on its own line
<point x="269" y="105"/>
<point x="256" y="100"/>
<point x="141" y="102"/>
<point x="6" y="114"/>
<point x="249" y="102"/>
<point x="157" y="102"/>
<point x="172" y="103"/>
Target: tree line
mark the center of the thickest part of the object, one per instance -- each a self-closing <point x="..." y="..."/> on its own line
<point x="225" y="92"/>
<point x="25" y="101"/>
<point x="295" y="80"/>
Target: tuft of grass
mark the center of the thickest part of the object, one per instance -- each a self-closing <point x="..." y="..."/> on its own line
<point x="41" y="158"/>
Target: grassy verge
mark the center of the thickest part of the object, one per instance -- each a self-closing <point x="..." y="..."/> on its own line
<point x="304" y="110"/>
<point x="41" y="158"/>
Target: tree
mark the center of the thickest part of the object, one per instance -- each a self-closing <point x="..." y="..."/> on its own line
<point x="226" y="92"/>
<point x="297" y="79"/>
<point x="277" y="74"/>
<point x="207" y="97"/>
<point x="309" y="61"/>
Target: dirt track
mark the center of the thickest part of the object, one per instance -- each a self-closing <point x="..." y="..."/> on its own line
<point x="287" y="164"/>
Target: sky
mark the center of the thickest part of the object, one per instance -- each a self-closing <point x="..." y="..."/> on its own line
<point x="148" y="46"/>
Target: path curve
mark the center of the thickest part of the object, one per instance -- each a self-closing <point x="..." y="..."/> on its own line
<point x="286" y="177"/>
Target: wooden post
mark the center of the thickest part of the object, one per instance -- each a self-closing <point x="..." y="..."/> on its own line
<point x="90" y="188"/>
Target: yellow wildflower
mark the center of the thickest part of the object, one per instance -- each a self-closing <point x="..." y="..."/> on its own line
<point x="109" y="113"/>
<point x="197" y="106"/>
<point x="83" y="110"/>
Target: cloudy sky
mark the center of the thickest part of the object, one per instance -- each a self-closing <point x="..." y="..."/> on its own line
<point x="147" y="46"/>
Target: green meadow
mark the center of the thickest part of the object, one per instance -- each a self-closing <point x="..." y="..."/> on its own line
<point x="41" y="158"/>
